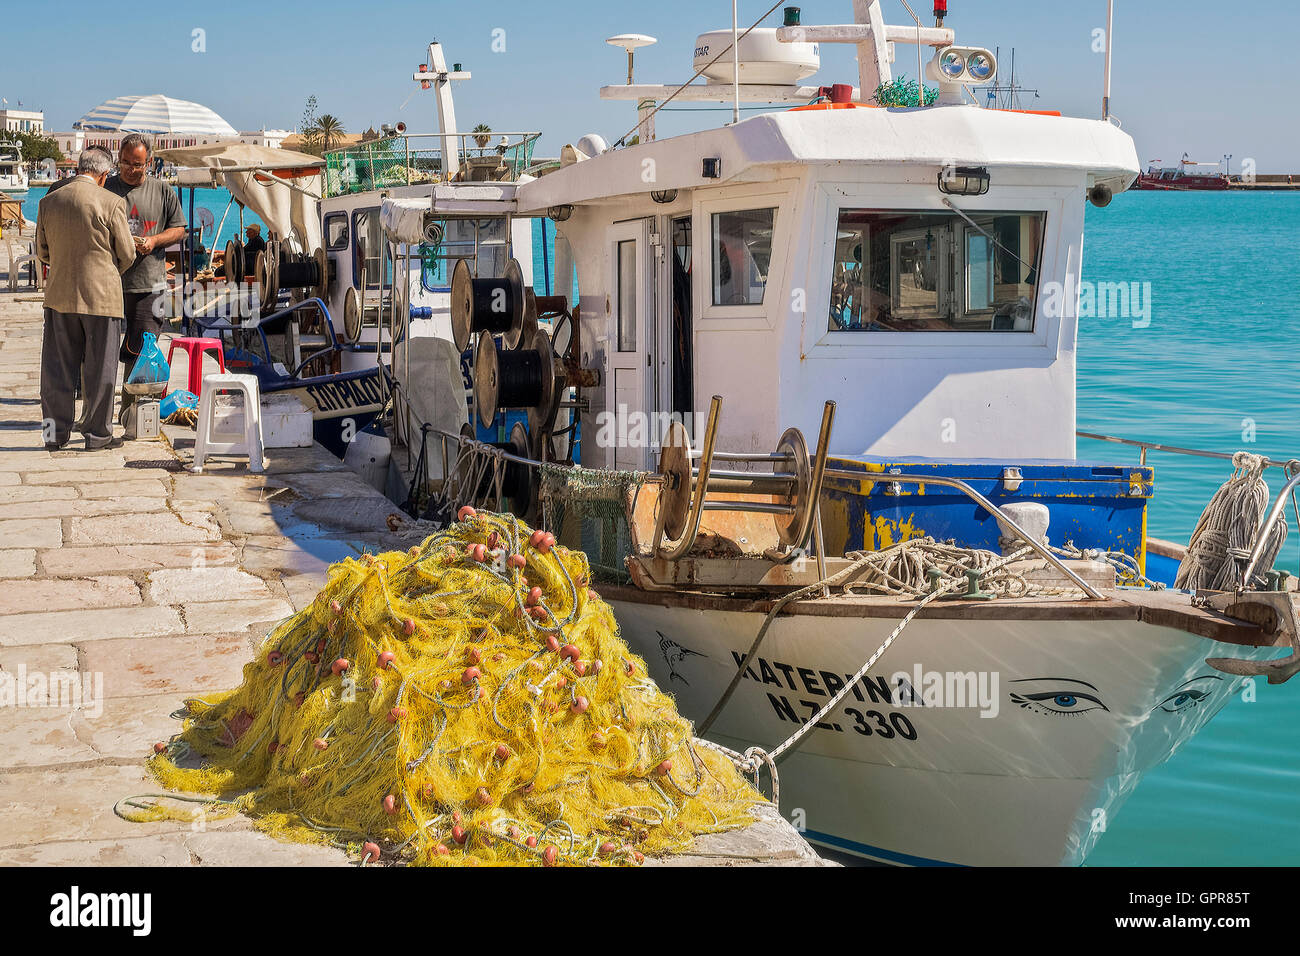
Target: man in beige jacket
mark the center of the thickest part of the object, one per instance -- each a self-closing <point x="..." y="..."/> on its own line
<point x="82" y="234"/>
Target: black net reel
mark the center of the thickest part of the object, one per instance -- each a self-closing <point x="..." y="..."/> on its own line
<point x="303" y="272"/>
<point x="234" y="266"/>
<point x="276" y="270"/>
<point x="495" y="306"/>
<point x="520" y="378"/>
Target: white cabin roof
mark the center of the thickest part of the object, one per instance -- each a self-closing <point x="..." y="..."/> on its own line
<point x="926" y="138"/>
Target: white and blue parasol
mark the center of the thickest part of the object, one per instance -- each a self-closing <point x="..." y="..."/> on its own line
<point x="154" y="115"/>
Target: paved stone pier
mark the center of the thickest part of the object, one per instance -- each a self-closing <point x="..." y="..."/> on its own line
<point x="120" y="564"/>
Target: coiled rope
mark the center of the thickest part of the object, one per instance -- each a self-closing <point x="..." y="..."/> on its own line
<point x="1228" y="529"/>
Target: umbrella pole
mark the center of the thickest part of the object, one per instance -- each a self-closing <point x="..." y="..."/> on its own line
<point x="187" y="254"/>
<point x="216" y="236"/>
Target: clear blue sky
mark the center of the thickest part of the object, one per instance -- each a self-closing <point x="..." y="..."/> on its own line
<point x="1182" y="81"/>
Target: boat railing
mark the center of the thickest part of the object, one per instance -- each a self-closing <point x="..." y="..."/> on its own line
<point x="1037" y="546"/>
<point x="410" y="159"/>
<point x="1290" y="467"/>
<point x="1146" y="446"/>
<point x="1041" y="549"/>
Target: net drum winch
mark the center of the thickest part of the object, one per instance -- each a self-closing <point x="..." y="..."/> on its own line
<point x="276" y="271"/>
<point x="495" y="305"/>
<point x="352" y="326"/>
<point x="235" y="268"/>
<point x="794" y="483"/>
<point x="519" y="487"/>
<point x="519" y="378"/>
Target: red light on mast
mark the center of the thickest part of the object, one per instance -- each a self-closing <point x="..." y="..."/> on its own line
<point x="940" y="11"/>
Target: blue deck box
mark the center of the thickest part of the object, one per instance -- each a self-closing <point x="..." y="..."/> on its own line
<point x="1092" y="505"/>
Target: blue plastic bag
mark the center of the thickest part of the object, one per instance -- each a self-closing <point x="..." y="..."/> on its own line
<point x="150" y="368"/>
<point x="174" y="401"/>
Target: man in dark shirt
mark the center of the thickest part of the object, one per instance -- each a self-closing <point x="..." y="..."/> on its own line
<point x="253" y="244"/>
<point x="157" y="221"/>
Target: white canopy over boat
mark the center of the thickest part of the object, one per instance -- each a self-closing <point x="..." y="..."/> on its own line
<point x="279" y="185"/>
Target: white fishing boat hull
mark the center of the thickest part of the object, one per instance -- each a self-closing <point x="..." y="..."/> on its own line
<point x="1012" y="778"/>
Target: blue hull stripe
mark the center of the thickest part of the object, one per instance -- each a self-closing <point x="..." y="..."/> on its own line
<point x="863" y="849"/>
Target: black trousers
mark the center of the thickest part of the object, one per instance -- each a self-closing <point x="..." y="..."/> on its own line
<point x="79" y="349"/>
<point x="139" y="315"/>
<point x="140" y="318"/>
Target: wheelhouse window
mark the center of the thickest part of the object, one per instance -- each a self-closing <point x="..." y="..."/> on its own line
<point x="627" y="296"/>
<point x="900" y="271"/>
<point x="336" y="231"/>
<point x="742" y="255"/>
<point x="484" y="242"/>
<point x="368" y="231"/>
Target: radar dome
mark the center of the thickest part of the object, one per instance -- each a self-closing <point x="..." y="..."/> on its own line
<point x="763" y="58"/>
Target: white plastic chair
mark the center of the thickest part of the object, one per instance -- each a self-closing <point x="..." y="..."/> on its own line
<point x="18" y="262"/>
<point x="205" y="446"/>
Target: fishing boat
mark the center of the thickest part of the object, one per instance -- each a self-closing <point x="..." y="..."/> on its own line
<point x="13" y="175"/>
<point x="802" y="387"/>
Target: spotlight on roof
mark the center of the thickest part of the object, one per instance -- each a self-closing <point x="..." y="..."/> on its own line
<point x="964" y="65"/>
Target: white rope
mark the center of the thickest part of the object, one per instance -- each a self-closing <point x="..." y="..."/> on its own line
<point x="1228" y="528"/>
<point x="1125" y="565"/>
<point x="899" y="570"/>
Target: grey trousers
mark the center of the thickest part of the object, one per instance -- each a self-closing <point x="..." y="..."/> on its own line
<point x="79" y="348"/>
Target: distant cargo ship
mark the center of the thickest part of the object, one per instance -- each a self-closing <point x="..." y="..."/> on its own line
<point x="1181" y="177"/>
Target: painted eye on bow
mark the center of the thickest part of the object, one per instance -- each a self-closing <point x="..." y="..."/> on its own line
<point x="1182" y="700"/>
<point x="1063" y="702"/>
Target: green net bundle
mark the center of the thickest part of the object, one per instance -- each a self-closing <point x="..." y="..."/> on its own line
<point x="902" y="92"/>
<point x="588" y="508"/>
<point x="469" y="701"/>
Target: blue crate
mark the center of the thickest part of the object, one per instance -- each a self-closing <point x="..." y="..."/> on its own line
<point x="1092" y="505"/>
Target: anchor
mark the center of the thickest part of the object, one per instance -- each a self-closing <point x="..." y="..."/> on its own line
<point x="1274" y="613"/>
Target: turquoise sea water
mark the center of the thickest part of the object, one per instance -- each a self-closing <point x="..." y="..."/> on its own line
<point x="1218" y="356"/>
<point x="214" y="200"/>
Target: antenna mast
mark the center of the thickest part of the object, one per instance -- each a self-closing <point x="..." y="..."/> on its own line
<point x="1110" y="31"/>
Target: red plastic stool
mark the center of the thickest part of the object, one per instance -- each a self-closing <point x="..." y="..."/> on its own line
<point x="195" y="348"/>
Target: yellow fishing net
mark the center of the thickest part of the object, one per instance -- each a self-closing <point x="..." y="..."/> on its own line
<point x="469" y="701"/>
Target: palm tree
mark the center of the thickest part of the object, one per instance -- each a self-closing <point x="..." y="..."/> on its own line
<point x="482" y="134"/>
<point x="329" y="128"/>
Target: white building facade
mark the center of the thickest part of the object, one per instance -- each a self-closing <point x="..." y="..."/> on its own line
<point x="21" y="121"/>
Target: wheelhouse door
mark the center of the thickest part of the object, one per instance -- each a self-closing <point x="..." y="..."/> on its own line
<point x="630" y="385"/>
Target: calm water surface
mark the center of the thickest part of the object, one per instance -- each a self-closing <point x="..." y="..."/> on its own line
<point x="1216" y="367"/>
